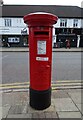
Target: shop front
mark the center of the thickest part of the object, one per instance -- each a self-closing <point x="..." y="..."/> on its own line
<point x="62" y="38"/>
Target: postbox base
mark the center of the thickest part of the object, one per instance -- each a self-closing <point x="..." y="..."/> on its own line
<point x="40" y="100"/>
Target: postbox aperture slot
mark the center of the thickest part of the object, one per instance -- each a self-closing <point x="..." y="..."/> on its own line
<point x="41" y="33"/>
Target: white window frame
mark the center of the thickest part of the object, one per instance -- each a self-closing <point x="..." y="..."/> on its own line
<point x="63" y="22"/>
<point x="75" y="23"/>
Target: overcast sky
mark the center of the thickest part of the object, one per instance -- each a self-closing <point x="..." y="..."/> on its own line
<point x="44" y="2"/>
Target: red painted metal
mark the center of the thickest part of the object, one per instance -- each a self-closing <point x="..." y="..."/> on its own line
<point x="40" y="46"/>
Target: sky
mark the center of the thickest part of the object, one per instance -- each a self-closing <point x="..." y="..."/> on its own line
<point x="44" y="2"/>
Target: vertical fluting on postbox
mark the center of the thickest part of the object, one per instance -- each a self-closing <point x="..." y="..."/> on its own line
<point x="40" y="51"/>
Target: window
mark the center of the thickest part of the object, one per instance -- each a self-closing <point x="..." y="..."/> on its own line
<point x="8" y="22"/>
<point x="19" y="20"/>
<point x="63" y="23"/>
<point x="13" y="40"/>
<point x="75" y="23"/>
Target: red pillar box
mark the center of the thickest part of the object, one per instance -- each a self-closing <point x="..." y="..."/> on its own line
<point x="40" y="43"/>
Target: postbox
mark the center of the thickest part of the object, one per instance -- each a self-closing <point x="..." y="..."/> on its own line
<point x="40" y="55"/>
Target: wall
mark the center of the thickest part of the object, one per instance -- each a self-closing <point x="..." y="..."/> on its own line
<point x="18" y="25"/>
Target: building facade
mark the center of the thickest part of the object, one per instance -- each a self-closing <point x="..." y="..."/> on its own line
<point x="13" y="30"/>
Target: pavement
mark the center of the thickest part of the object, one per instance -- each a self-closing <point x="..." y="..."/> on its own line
<point x="66" y="98"/>
<point x="65" y="103"/>
<point x="25" y="49"/>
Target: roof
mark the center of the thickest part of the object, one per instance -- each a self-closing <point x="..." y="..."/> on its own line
<point x="60" y="11"/>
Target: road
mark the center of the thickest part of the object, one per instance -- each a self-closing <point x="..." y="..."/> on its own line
<point x="65" y="66"/>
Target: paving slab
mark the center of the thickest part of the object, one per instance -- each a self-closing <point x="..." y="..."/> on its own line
<point x="69" y="115"/>
<point x="59" y="94"/>
<point x="51" y="115"/>
<point x="13" y="98"/>
<point x="17" y="109"/>
<point x="82" y="117"/>
<point x="0" y="99"/>
<point x="79" y="106"/>
<point x="35" y="115"/>
<point x="41" y="115"/>
<point x="76" y="97"/>
<point x="5" y="111"/>
<point x="0" y="112"/>
<point x="19" y="116"/>
<point x="65" y="104"/>
<point x="74" y="90"/>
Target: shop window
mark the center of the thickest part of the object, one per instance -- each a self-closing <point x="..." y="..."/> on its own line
<point x="13" y="40"/>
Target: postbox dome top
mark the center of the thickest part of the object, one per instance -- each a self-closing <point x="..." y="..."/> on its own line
<point x="40" y="18"/>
